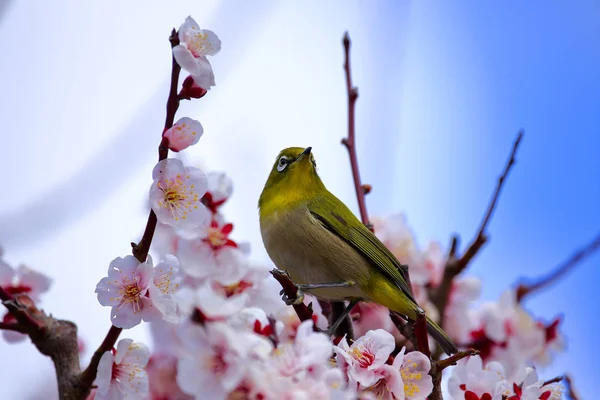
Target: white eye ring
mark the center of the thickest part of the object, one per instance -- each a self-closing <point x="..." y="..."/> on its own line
<point x="282" y="164"/>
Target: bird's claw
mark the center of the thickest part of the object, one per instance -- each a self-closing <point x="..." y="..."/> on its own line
<point x="298" y="299"/>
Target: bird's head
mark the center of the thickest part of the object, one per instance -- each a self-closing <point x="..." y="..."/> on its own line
<point x="293" y="177"/>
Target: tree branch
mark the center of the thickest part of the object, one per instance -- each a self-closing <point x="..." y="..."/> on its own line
<point x="553" y="380"/>
<point x="420" y="333"/>
<point x="54" y="338"/>
<point x="523" y="290"/>
<point x="141" y="249"/>
<point x="571" y="392"/>
<point x="453" y="359"/>
<point x="455" y="265"/>
<point x="291" y="291"/>
<point x="13" y="326"/>
<point x="350" y="141"/>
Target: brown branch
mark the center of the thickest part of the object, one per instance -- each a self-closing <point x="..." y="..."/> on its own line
<point x="54" y="338"/>
<point x="453" y="359"/>
<point x="455" y="265"/>
<point x="13" y="326"/>
<point x="291" y="291"/>
<point x="571" y="392"/>
<point x="345" y="328"/>
<point x="420" y="332"/>
<point x="89" y="375"/>
<point x="350" y="141"/>
<point x="523" y="290"/>
<point x="553" y="380"/>
<point x="141" y="249"/>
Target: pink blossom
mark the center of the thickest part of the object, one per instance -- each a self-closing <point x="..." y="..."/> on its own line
<point x="364" y="361"/>
<point x="183" y="134"/>
<point x="530" y="389"/>
<point x="122" y="373"/>
<point x="371" y="316"/>
<point x="190" y="90"/>
<point x="470" y="380"/>
<point x="212" y="304"/>
<point x="217" y="359"/>
<point x="213" y="255"/>
<point x="132" y="292"/>
<point x="175" y="194"/>
<point x="22" y="280"/>
<point x="195" y="45"/>
<point x="219" y="190"/>
<point x="406" y="378"/>
<point x="459" y="321"/>
<point x="162" y="376"/>
<point x="308" y="355"/>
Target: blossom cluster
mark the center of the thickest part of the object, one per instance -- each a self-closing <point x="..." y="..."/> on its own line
<point x="502" y="331"/>
<point x="471" y="381"/>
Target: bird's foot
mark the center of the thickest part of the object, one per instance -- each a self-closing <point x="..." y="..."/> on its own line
<point x="298" y="299"/>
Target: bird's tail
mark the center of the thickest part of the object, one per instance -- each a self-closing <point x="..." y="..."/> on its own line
<point x="441" y="337"/>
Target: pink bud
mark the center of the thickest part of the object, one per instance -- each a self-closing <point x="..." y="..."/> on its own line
<point x="189" y="89"/>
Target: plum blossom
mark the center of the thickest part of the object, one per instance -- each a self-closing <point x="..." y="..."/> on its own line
<point x="308" y="355"/>
<point x="364" y="361"/>
<point x="531" y="388"/>
<point x="137" y="291"/>
<point x="217" y="359"/>
<point x="471" y="381"/>
<point x="219" y="190"/>
<point x="370" y="316"/>
<point x="162" y="376"/>
<point x="213" y="255"/>
<point x="122" y="373"/>
<point x="183" y="134"/>
<point x="208" y="304"/>
<point x="459" y="321"/>
<point x="194" y="45"/>
<point x="406" y="378"/>
<point x="505" y="332"/>
<point x="176" y="192"/>
<point x="22" y="280"/>
<point x="190" y="90"/>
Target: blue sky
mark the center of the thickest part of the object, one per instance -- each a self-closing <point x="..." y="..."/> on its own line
<point x="444" y="89"/>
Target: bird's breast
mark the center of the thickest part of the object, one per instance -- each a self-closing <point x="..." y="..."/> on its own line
<point x="298" y="243"/>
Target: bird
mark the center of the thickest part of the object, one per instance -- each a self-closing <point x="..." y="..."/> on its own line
<point x="325" y="249"/>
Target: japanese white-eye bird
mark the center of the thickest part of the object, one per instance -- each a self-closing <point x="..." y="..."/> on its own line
<point x="325" y="249"/>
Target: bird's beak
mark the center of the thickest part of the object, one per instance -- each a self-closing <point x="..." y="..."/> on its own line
<point x="306" y="152"/>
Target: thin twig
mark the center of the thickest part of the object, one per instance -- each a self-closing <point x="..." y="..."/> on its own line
<point x="553" y="380"/>
<point x="571" y="392"/>
<point x="481" y="236"/>
<point x="141" y="249"/>
<point x="453" y="359"/>
<point x="13" y="326"/>
<point x="455" y="265"/>
<point x="524" y="290"/>
<point x="350" y="141"/>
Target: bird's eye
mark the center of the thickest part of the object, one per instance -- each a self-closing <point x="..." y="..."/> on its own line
<point x="282" y="164"/>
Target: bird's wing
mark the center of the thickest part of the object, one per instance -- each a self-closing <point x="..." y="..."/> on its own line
<point x="338" y="218"/>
